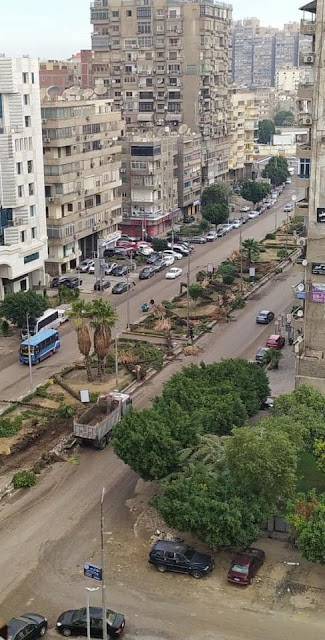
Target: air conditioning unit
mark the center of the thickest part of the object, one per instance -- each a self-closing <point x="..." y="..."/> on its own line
<point x="47" y="139"/>
<point x="309" y="59"/>
<point x="306" y="119"/>
<point x="301" y="242"/>
<point x="50" y="199"/>
<point x="123" y="170"/>
<point x="44" y="121"/>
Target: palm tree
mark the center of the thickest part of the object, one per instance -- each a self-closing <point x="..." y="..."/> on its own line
<point x="103" y="318"/>
<point x="272" y="358"/>
<point x="80" y="311"/>
<point x="251" y="248"/>
<point x="209" y="450"/>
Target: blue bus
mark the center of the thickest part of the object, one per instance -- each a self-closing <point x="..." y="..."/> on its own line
<point x="43" y="345"/>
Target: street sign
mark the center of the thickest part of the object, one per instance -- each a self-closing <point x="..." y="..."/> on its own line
<point x="318" y="268"/>
<point x="92" y="571"/>
<point x="321" y="215"/>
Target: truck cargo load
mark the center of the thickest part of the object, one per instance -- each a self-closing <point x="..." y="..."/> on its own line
<point x="95" y="425"/>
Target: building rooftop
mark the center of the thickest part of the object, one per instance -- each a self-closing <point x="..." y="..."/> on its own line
<point x="311" y="6"/>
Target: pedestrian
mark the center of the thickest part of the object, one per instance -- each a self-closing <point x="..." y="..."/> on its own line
<point x="152" y="302"/>
<point x="133" y="286"/>
<point x="191" y="332"/>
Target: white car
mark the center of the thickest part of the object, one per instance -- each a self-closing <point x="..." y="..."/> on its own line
<point x="236" y="223"/>
<point x="170" y="252"/>
<point x="181" y="248"/>
<point x="146" y="251"/>
<point x="173" y="273"/>
<point x="211" y="236"/>
<point x="244" y="209"/>
<point x="91" y="268"/>
<point x="288" y="181"/>
<point x="228" y="227"/>
<point x="253" y="214"/>
<point x="288" y="208"/>
<point x="169" y="260"/>
<point x="84" y="265"/>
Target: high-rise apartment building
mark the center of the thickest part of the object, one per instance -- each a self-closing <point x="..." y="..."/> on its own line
<point x="244" y="115"/>
<point x="23" y="240"/>
<point x="310" y="363"/>
<point x="286" y="45"/>
<point x="82" y="179"/>
<point x="166" y="64"/>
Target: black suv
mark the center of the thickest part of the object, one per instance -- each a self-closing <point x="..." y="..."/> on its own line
<point x="173" y="556"/>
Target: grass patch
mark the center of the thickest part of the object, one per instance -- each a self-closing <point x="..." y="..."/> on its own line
<point x="309" y="477"/>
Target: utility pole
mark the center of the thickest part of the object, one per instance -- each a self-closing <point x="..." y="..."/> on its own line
<point x="29" y="355"/>
<point x="116" y="361"/>
<point x="188" y="294"/>
<point x="89" y="590"/>
<point x="127" y="302"/>
<point x="241" y="258"/>
<point x="103" y="563"/>
<point x="287" y="223"/>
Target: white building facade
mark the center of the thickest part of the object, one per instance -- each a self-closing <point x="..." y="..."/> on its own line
<point x="23" y="236"/>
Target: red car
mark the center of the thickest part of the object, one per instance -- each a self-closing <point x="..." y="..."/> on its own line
<point x="245" y="565"/>
<point x="275" y="342"/>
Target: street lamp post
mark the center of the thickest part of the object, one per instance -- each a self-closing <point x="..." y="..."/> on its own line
<point x="241" y="258"/>
<point x="127" y="302"/>
<point x="29" y="355"/>
<point x="188" y="294"/>
<point x="116" y="361"/>
<point x="103" y="563"/>
<point x="89" y="590"/>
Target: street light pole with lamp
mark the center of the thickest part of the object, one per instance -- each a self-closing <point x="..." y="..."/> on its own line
<point x="103" y="563"/>
<point x="89" y="590"/>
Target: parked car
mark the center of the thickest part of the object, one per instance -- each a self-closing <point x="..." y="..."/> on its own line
<point x="161" y="264"/>
<point x="84" y="265"/>
<point x="91" y="268"/>
<point x="228" y="227"/>
<point x="288" y="181"/>
<point x="267" y="404"/>
<point x="28" y="627"/>
<point x="245" y="218"/>
<point x="236" y="223"/>
<point x="175" y="254"/>
<point x="120" y="287"/>
<point x="173" y="556"/>
<point x="105" y="284"/>
<point x="198" y="240"/>
<point x="245" y="565"/>
<point x="173" y="273"/>
<point x="72" y="283"/>
<point x="74" y="622"/>
<point x="264" y="317"/>
<point x="124" y="244"/>
<point x="259" y="357"/>
<point x="222" y="232"/>
<point x="181" y="248"/>
<point x="244" y="209"/>
<point x="253" y="214"/>
<point x="153" y="258"/>
<point x="188" y="219"/>
<point x="145" y="251"/>
<point x="108" y="267"/>
<point x="169" y="260"/>
<point x="146" y="273"/>
<point x="275" y="342"/>
<point x="288" y="207"/>
<point x="124" y="236"/>
<point x="211" y="236"/>
<point x="268" y="204"/>
<point x="121" y="270"/>
<point x="58" y="281"/>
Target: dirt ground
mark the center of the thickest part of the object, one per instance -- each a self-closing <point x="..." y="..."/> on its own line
<point x="77" y="380"/>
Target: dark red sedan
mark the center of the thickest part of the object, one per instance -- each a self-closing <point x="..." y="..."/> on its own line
<point x="275" y="342"/>
<point x="245" y="565"/>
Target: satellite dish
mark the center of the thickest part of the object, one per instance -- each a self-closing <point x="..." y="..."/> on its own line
<point x="88" y="93"/>
<point x="183" y="129"/>
<point x="53" y="91"/>
<point x="71" y="92"/>
<point x="100" y="90"/>
<point x="294" y="198"/>
<point x="160" y="131"/>
<point x="304" y="263"/>
<point x="300" y="313"/>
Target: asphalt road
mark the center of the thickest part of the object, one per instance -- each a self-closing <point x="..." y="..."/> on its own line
<point x="47" y="533"/>
<point x="14" y="377"/>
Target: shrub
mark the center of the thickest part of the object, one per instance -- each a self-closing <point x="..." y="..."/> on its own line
<point x="93" y="396"/>
<point x="24" y="479"/>
<point x="270" y="236"/>
<point x="228" y="279"/>
<point x="9" y="427"/>
<point x="64" y="411"/>
<point x="281" y="253"/>
<point x="5" y="328"/>
<point x="201" y="276"/>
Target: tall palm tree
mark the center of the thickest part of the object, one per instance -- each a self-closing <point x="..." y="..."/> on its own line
<point x="103" y="319"/>
<point x="80" y="311"/>
<point x="251" y="248"/>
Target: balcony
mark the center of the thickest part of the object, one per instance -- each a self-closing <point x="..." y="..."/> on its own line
<point x="307" y="27"/>
<point x="305" y="91"/>
<point x="304" y="151"/>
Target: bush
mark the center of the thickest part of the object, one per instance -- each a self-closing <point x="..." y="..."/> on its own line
<point x="64" y="411"/>
<point x="228" y="279"/>
<point x="5" y="328"/>
<point x="201" y="276"/>
<point x="281" y="253"/>
<point x="270" y="236"/>
<point x="9" y="427"/>
<point x="93" y="396"/>
<point x="24" y="479"/>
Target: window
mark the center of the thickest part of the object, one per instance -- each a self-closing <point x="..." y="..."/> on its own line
<point x="174" y="107"/>
<point x="304" y="168"/>
<point x="31" y="188"/>
<point x="115" y="14"/>
<point x="149" y="82"/>
<point x="160" y="12"/>
<point x="70" y="206"/>
<point x="33" y="77"/>
<point x="146" y="106"/>
<point x="145" y="151"/>
<point x="144" y="27"/>
<point x="34" y="233"/>
<point x="29" y="166"/>
<point x="28" y="121"/>
<point x="173" y="68"/>
<point x="145" y="42"/>
<point x="23" y="237"/>
<point x="146" y="95"/>
<point x="26" y="99"/>
<point x="25" y="78"/>
<point x="173" y="55"/>
<point x="138" y="164"/>
<point x="129" y="14"/>
<point x="32" y="211"/>
<point x="172" y="13"/>
<point x="129" y="94"/>
<point x="143" y="12"/>
<point x="173" y="82"/>
<point x="19" y="168"/>
<point x="23" y="285"/>
<point x="20" y="189"/>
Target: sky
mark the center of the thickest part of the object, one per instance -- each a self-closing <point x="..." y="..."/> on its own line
<point x="57" y="29"/>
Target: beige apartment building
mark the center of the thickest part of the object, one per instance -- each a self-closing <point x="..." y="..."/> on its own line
<point x="244" y="117"/>
<point x="149" y="184"/>
<point x="310" y="363"/>
<point x="189" y="168"/>
<point x="81" y="146"/>
<point x="165" y="64"/>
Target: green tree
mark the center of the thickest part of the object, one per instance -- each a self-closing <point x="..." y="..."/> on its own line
<point x="276" y="170"/>
<point x="272" y="358"/>
<point x="307" y="515"/>
<point x="209" y="450"/>
<point x="263" y="462"/>
<point x="159" y="244"/>
<point x="255" y="191"/>
<point x="80" y="312"/>
<point x="251" y="249"/>
<point x="266" y="129"/>
<point x="227" y="271"/>
<point x="217" y="193"/>
<point x="305" y="405"/>
<point x="103" y="319"/>
<point x="296" y="430"/>
<point x="284" y="119"/>
<point x="319" y="452"/>
<point x="215" y="213"/>
<point x="195" y="291"/>
<point x="67" y="295"/>
<point x="16" y="306"/>
<point x="207" y="506"/>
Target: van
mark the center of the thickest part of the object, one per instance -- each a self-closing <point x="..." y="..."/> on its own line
<point x="63" y="311"/>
